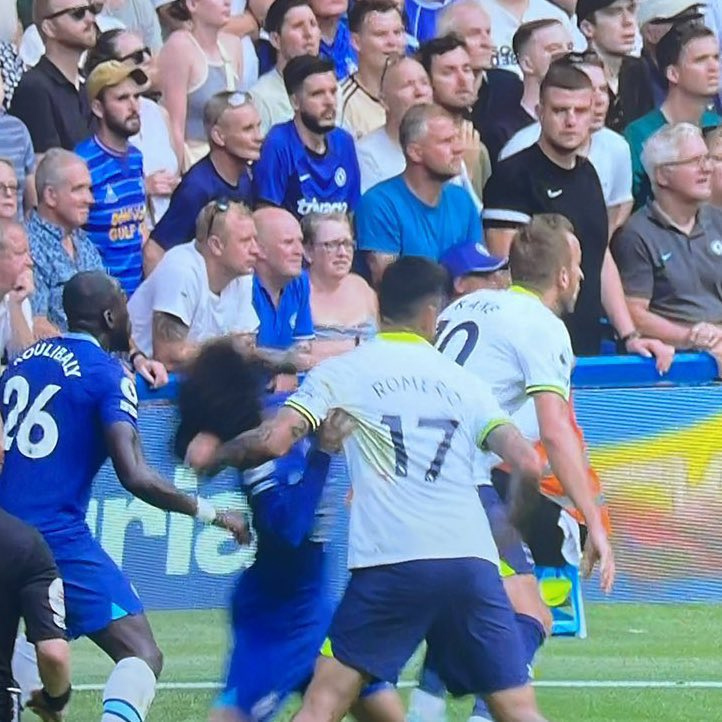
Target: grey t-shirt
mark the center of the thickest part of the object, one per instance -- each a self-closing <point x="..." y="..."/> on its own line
<point x="680" y="274"/>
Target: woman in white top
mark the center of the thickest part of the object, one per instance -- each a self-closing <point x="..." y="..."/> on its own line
<point x="343" y="306"/>
<point x="160" y="164"/>
<point x="194" y="65"/>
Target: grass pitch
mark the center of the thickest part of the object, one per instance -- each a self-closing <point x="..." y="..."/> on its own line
<point x="628" y="644"/>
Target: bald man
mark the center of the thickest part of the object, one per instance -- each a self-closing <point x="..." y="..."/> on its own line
<point x="281" y="290"/>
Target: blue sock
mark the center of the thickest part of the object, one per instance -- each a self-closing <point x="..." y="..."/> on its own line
<point x="532" y="636"/>
<point x="430" y="682"/>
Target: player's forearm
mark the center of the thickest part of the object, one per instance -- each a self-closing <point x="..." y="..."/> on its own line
<point x="569" y="466"/>
<point x="54" y="665"/>
<point x="251" y="448"/>
<point x="151" y="488"/>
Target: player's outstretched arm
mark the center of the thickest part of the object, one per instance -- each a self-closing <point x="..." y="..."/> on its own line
<point x="566" y="457"/>
<point x="507" y="442"/>
<point x="140" y="480"/>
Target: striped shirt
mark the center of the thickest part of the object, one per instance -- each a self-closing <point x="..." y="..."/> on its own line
<point x="115" y="223"/>
<point x="17" y="147"/>
<point x="360" y="112"/>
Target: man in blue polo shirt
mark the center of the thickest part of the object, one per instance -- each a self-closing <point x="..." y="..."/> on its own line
<point x="308" y="164"/>
<point x="115" y="222"/>
<point x="418" y="213"/>
<point x="233" y="127"/>
<point x="281" y="290"/>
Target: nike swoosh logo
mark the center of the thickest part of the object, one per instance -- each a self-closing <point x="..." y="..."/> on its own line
<point x="304" y="177"/>
<point x="666" y="257"/>
<point x="554" y="194"/>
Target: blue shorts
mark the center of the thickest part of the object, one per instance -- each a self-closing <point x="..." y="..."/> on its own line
<point x="275" y="647"/>
<point x="96" y="591"/>
<point x="515" y="555"/>
<point x="458" y="605"/>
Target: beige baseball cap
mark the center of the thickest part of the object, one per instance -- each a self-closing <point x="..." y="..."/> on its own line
<point x="110" y="73"/>
<point x="667" y="9"/>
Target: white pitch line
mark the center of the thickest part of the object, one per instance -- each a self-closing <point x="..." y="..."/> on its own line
<point x="550" y="683"/>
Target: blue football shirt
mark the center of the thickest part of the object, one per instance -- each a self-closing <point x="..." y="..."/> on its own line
<point x="115" y="223"/>
<point x="199" y="185"/>
<point x="283" y="325"/>
<point x="57" y="398"/>
<point x="391" y="219"/>
<point x="340" y="52"/>
<point x="293" y="177"/>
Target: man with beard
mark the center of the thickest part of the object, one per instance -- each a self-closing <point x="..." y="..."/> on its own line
<point x="417" y="213"/>
<point x="115" y="221"/>
<point x="50" y="99"/>
<point x="308" y="164"/>
<point x="453" y="81"/>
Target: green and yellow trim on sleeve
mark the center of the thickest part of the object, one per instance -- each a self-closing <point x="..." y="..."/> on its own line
<point x="402" y="337"/>
<point x="542" y="388"/>
<point x="326" y="648"/>
<point x="484" y="433"/>
<point x="315" y="423"/>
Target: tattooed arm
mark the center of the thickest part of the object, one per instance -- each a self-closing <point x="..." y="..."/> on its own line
<point x="170" y="341"/>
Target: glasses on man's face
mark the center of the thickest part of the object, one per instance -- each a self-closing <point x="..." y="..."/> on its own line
<point x="8" y="189"/>
<point x="335" y="246"/>
<point x="698" y="161"/>
<point x="220" y="206"/>
<point x="77" y="12"/>
<point x="137" y="57"/>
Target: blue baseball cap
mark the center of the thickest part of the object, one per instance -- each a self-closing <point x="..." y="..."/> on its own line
<point x="471" y="258"/>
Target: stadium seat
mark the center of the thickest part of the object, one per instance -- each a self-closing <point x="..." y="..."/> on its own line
<point x="561" y="590"/>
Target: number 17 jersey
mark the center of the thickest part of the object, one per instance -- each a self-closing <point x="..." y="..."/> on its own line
<point x="419" y="419"/>
<point x="56" y="399"/>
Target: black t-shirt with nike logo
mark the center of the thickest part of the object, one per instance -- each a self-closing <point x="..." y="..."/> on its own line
<point x="528" y="183"/>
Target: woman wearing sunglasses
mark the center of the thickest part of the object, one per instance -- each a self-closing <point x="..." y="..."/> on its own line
<point x="194" y="65"/>
<point x="162" y="172"/>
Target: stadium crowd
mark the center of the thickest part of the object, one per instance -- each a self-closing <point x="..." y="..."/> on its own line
<point x="252" y="169"/>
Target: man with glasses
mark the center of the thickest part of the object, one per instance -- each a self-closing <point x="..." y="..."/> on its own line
<point x="669" y="253"/>
<point x="50" y="98"/>
<point x="233" y="127"/>
<point x="689" y="56"/>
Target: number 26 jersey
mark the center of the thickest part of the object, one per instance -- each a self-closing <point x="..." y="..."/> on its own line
<point x="57" y="398"/>
<point x="419" y="419"/>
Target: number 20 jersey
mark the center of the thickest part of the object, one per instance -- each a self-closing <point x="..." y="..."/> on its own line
<point x="57" y="397"/>
<point x="419" y="419"/>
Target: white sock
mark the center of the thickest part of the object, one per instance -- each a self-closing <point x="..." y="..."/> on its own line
<point x="425" y="707"/>
<point x="25" y="667"/>
<point x="128" y="692"/>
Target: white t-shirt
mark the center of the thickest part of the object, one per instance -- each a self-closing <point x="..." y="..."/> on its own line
<point x="609" y="153"/>
<point x="419" y="419"/>
<point x="179" y="286"/>
<point x="5" y="328"/>
<point x="504" y="24"/>
<point x="271" y="100"/>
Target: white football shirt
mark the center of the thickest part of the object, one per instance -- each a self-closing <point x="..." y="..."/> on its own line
<point x="419" y="420"/>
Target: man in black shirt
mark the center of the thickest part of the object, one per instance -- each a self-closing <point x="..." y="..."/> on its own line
<point x="611" y="28"/>
<point x="550" y="177"/>
<point x="32" y="589"/>
<point x="50" y="98"/>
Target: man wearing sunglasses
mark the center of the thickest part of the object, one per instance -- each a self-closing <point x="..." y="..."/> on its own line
<point x="50" y="98"/>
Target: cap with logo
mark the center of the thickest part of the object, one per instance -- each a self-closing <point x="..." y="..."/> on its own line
<point x="110" y="73"/>
<point x="469" y="258"/>
<point x="669" y="10"/>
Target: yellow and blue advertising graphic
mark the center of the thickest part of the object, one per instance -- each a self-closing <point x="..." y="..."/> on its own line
<point x="658" y="451"/>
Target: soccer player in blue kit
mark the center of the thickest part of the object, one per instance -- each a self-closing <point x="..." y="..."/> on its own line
<point x="281" y="606"/>
<point x="67" y="405"/>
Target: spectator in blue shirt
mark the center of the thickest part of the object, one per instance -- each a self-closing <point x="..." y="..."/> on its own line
<point x="308" y="164"/>
<point x="233" y="126"/>
<point x="115" y="223"/>
<point x="335" y="36"/>
<point x="418" y="213"/>
<point x="281" y="290"/>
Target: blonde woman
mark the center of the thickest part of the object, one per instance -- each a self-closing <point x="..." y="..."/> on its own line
<point x="194" y="65"/>
<point x="343" y="306"/>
